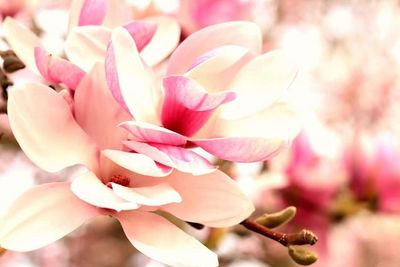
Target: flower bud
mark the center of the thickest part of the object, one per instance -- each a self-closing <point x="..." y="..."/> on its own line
<point x="278" y="218"/>
<point x="302" y="256"/>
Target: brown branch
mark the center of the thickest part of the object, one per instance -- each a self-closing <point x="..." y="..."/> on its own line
<point x="2" y="250"/>
<point x="304" y="237"/>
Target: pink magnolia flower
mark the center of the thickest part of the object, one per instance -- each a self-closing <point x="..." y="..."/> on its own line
<point x="53" y="137"/>
<point x="219" y="95"/>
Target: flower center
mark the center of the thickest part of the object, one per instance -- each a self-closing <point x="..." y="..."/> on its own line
<point x="119" y="179"/>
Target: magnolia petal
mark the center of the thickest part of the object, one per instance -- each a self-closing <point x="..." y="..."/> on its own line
<point x="260" y="83"/>
<point x="213" y="199"/>
<point x="150" y="151"/>
<point x="46" y="130"/>
<point x="156" y="195"/>
<point x="93" y="12"/>
<point x="216" y="60"/>
<point x="58" y="70"/>
<point x="90" y="189"/>
<point x="43" y="215"/>
<point x="141" y="32"/>
<point x="97" y="112"/>
<point x="150" y="133"/>
<point x="214" y="70"/>
<point x="129" y="80"/>
<point x="186" y="160"/>
<point x="22" y="41"/>
<point x="87" y="45"/>
<point x="160" y="240"/>
<point x="279" y="121"/>
<point x="248" y="140"/>
<point x="245" y="34"/>
<point x="187" y="106"/>
<point x="242" y="149"/>
<point x="137" y="163"/>
<point x="119" y="12"/>
<point x="165" y="39"/>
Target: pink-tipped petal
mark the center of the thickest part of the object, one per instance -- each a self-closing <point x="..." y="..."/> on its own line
<point x="87" y="45"/>
<point x="179" y="158"/>
<point x="129" y="80"/>
<point x="150" y="133"/>
<point x="97" y="112"/>
<point x="164" y="41"/>
<point x="248" y="140"/>
<point x="186" y="160"/>
<point x="93" y="12"/>
<point x="156" y="195"/>
<point x="137" y="163"/>
<point x="260" y="83"/>
<point x="58" y="70"/>
<point x="90" y="189"/>
<point x="46" y="130"/>
<point x="150" y="151"/>
<point x="22" y="41"/>
<point x="245" y="34"/>
<point x="213" y="199"/>
<point x="43" y="215"/>
<point x="187" y="106"/>
<point x="161" y="240"/>
<point x="142" y="32"/>
<point x="242" y="149"/>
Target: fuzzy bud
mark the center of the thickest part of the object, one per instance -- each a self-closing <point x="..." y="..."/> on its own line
<point x="278" y="218"/>
<point x="302" y="256"/>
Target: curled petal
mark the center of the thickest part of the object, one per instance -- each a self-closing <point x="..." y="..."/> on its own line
<point x="46" y="130"/>
<point x="137" y="163"/>
<point x="130" y="82"/>
<point x="58" y="70"/>
<point x="90" y="189"/>
<point x="150" y="151"/>
<point x="156" y="195"/>
<point x="160" y="240"/>
<point x="179" y="158"/>
<point x="43" y="215"/>
<point x="141" y="32"/>
<point x="150" y="133"/>
<point x="213" y="199"/>
<point x="97" y="112"/>
<point x="186" y="160"/>
<point x="22" y="41"/>
<point x="165" y="39"/>
<point x="187" y="106"/>
<point x="245" y="34"/>
<point x="259" y="83"/>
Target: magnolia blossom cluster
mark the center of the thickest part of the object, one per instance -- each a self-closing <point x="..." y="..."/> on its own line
<point x="143" y="115"/>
